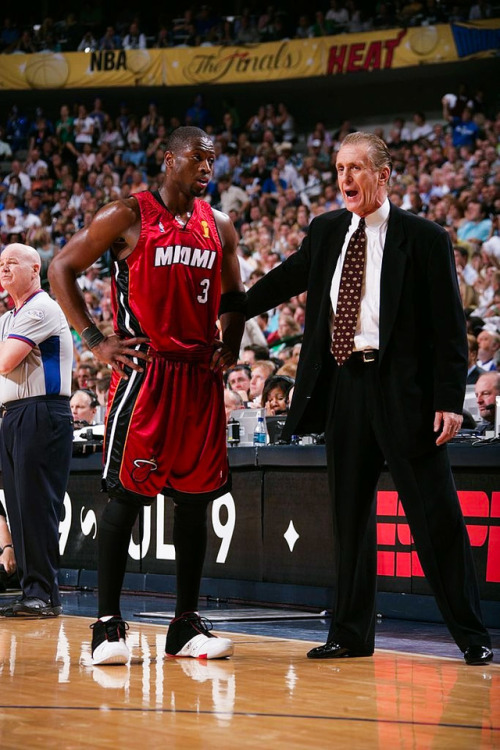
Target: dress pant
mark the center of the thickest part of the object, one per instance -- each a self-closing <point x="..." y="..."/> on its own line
<point x="358" y="439"/>
<point x="35" y="447"/>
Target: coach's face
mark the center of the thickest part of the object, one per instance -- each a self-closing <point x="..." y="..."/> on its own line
<point x="363" y="188"/>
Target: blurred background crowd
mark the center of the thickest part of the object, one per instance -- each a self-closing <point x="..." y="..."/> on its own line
<point x="106" y="26"/>
<point x="271" y="177"/>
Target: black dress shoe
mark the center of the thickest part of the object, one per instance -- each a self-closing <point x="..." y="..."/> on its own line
<point x="477" y="655"/>
<point x="30" y="606"/>
<point x="333" y="650"/>
<point x="6" y="610"/>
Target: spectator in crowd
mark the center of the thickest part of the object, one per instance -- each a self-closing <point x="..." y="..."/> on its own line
<point x="232" y="402"/>
<point x="8" y="35"/>
<point x="473" y="371"/>
<point x="253" y="352"/>
<point x="65" y="131"/>
<point x="261" y="370"/>
<point x="25" y="44"/>
<point x="476" y="226"/>
<point x="338" y="15"/>
<point x="72" y="32"/>
<point x="422" y="128"/>
<point x="487" y="286"/>
<point x="479" y="10"/>
<point x="134" y="39"/>
<point x="17" y="129"/>
<point x="245" y="29"/>
<point x="5" y="149"/>
<point x="88" y="43"/>
<point x="83" y="405"/>
<point x="110" y="40"/>
<point x="86" y="376"/>
<point x="84" y="128"/>
<point x="275" y="394"/>
<point x="464" y="130"/>
<point x="232" y="197"/>
<point x="287" y="333"/>
<point x="17" y="176"/>
<point x="488" y="350"/>
<point x="321" y="25"/>
<point x="487" y="389"/>
<point x="237" y="379"/>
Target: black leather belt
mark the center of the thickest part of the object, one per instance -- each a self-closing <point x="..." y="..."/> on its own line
<point x="366" y="355"/>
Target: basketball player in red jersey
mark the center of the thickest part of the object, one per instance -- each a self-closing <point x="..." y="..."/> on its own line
<point x="175" y="272"/>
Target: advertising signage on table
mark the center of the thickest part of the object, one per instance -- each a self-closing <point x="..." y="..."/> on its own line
<point x="275" y="525"/>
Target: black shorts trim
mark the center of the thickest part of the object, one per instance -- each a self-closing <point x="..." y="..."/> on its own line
<point x="125" y="496"/>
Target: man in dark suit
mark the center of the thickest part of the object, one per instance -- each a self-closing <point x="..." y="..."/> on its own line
<point x="473" y="371"/>
<point x="397" y="397"/>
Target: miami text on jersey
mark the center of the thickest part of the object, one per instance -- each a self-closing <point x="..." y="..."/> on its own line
<point x="188" y="256"/>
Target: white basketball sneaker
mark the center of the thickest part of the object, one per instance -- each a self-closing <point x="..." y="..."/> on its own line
<point x="189" y="636"/>
<point x="108" y="642"/>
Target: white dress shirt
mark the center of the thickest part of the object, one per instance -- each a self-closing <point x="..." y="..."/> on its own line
<point x="367" y="329"/>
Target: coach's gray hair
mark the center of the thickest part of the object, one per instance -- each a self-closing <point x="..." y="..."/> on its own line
<point x="378" y="153"/>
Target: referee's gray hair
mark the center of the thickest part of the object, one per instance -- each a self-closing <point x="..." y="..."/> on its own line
<point x="378" y="153"/>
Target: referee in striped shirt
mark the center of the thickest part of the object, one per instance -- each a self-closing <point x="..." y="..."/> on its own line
<point x="36" y="436"/>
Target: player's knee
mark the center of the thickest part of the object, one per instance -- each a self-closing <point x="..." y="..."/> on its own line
<point x="119" y="513"/>
<point x="190" y="512"/>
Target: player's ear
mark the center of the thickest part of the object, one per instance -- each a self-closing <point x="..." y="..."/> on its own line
<point x="168" y="158"/>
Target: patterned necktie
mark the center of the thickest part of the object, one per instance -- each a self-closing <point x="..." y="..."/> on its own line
<point x="351" y="283"/>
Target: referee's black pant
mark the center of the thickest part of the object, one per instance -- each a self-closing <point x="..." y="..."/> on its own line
<point x="35" y="448"/>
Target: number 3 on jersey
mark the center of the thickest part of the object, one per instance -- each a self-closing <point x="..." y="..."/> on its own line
<point x="205" y="286"/>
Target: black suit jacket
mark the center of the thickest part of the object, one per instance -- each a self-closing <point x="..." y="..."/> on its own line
<point x="423" y="345"/>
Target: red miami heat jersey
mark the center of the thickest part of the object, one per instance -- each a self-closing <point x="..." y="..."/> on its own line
<point x="166" y="426"/>
<point x="169" y="287"/>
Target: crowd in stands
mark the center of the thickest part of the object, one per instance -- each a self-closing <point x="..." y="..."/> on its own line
<point x="272" y="181"/>
<point x="98" y="27"/>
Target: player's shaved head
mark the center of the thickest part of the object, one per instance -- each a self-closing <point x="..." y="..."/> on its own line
<point x="183" y="136"/>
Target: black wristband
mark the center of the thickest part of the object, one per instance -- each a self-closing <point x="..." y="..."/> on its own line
<point x="5" y="547"/>
<point x="92" y="336"/>
<point x="233" y="302"/>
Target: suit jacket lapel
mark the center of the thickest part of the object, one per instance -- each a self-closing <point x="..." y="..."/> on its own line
<point x="392" y="276"/>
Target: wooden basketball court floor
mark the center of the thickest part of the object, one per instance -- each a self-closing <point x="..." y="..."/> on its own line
<point x="268" y="695"/>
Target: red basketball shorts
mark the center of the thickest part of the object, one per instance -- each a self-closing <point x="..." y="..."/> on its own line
<point x="166" y="428"/>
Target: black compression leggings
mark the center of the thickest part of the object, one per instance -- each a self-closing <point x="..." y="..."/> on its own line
<point x="190" y="542"/>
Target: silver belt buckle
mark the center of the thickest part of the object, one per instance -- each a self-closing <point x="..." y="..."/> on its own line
<point x="368" y="355"/>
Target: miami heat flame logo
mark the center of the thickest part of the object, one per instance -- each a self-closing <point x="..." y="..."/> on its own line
<point x="143" y="468"/>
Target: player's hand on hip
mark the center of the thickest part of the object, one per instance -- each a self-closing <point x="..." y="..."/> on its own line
<point x="121" y="353"/>
<point x="223" y="357"/>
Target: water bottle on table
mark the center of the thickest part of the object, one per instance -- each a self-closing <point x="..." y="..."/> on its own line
<point x="260" y="432"/>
